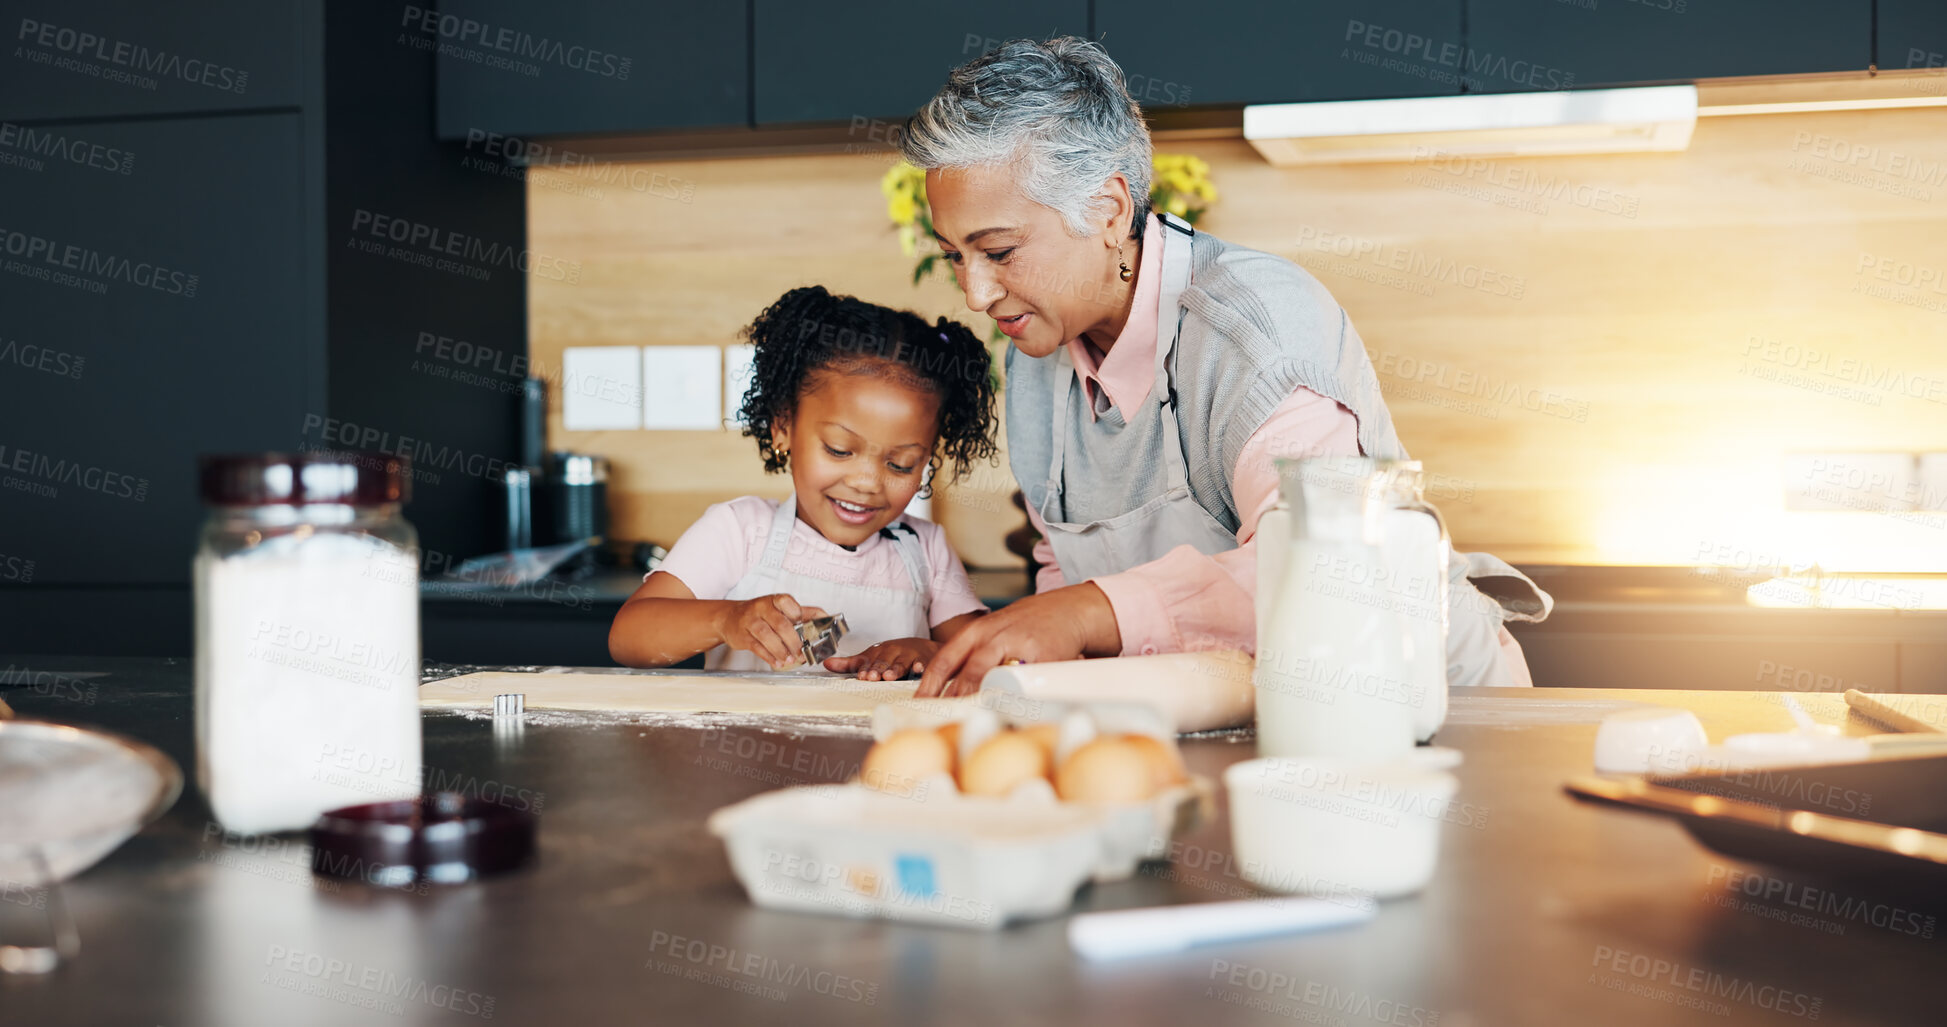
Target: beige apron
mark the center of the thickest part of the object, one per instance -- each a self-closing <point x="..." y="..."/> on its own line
<point x="873" y="614"/>
<point x="1174" y="518"/>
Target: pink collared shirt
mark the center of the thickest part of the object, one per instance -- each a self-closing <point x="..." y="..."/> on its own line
<point x="1186" y="600"/>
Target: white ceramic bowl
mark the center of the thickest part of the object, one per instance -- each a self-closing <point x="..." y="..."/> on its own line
<point x="1328" y="826"/>
<point x="1650" y="739"/>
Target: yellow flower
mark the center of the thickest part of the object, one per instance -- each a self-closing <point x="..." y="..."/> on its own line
<point x="908" y="240"/>
<point x="901" y="209"/>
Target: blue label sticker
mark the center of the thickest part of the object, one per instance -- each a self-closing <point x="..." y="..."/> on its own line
<point x="915" y="875"/>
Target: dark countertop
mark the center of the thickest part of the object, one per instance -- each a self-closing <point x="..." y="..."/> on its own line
<point x="1535" y="896"/>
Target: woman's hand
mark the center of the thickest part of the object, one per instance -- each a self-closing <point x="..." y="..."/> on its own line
<point x="1063" y="624"/>
<point x="766" y="626"/>
<point x="887" y="661"/>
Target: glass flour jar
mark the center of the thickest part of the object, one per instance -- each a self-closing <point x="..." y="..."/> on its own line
<point x="307" y="637"/>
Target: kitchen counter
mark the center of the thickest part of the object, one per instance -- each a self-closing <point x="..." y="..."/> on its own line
<point x="1543" y="911"/>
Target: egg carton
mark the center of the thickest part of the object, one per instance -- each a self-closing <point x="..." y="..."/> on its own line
<point x="934" y="855"/>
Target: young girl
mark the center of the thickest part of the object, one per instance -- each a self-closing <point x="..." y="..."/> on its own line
<point x="859" y="403"/>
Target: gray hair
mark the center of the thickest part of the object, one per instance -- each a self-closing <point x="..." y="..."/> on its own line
<point x="1057" y="110"/>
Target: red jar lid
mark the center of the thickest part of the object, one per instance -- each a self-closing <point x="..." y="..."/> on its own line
<point x="440" y="838"/>
<point x="294" y="479"/>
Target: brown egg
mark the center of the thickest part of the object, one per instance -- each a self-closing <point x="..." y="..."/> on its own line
<point x="1046" y="734"/>
<point x="1002" y="763"/>
<point x="1107" y="770"/>
<point x="897" y="764"/>
<point x="951" y="732"/>
<point x="1166" y="768"/>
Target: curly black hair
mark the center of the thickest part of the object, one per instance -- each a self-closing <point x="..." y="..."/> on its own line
<point x="809" y="331"/>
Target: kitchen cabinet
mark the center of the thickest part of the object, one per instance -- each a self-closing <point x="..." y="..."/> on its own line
<point x="1525" y="45"/>
<point x="1237" y="51"/>
<point x="109" y="58"/>
<point x="1912" y="34"/>
<point x="218" y="281"/>
<point x="517" y="68"/>
<point x="881" y="59"/>
<point x="154" y="335"/>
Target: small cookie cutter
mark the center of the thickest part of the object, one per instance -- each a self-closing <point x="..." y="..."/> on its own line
<point x="818" y="637"/>
<point x="510" y="704"/>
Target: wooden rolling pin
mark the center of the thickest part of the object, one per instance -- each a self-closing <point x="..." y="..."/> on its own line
<point x="1196" y="691"/>
<point x="1882" y="713"/>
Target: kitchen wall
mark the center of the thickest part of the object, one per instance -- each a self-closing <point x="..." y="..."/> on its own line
<point x="1605" y="359"/>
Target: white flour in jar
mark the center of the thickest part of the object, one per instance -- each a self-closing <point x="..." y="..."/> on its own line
<point x="307" y="679"/>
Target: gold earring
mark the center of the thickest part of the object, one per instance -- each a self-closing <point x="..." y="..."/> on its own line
<point x="1122" y="266"/>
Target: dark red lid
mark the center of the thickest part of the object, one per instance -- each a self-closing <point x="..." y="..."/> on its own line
<point x="293" y="479"/>
<point x="440" y="838"/>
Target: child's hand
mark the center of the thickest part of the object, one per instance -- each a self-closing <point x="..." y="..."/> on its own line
<point x="766" y="626"/>
<point x="887" y="661"/>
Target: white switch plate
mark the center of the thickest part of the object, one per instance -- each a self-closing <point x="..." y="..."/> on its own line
<point x="682" y="387"/>
<point x="738" y="360"/>
<point x="601" y="387"/>
<point x="1933" y="481"/>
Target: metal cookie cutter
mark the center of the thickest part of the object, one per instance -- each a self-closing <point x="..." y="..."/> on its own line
<point x="818" y="637"/>
<point x="510" y="704"/>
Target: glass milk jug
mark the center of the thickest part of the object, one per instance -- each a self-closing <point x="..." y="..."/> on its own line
<point x="307" y="637"/>
<point x="1344" y="642"/>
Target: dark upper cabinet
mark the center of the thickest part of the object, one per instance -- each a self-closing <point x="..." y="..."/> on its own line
<point x="110" y="58"/>
<point x="881" y="59"/>
<point x="523" y="68"/>
<point x="1239" y="51"/>
<point x="1523" y="45"/>
<point x="1912" y="34"/>
<point x="160" y="301"/>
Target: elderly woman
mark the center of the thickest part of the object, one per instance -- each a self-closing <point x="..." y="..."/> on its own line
<point x="1156" y="373"/>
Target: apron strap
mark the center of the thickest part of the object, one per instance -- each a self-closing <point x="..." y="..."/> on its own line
<point x="1176" y="278"/>
<point x="782" y="524"/>
<point x="913" y="554"/>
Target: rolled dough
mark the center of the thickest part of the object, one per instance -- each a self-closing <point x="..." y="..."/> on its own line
<point x="770" y="695"/>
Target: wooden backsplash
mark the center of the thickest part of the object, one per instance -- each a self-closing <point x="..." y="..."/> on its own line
<point x="1604" y="358"/>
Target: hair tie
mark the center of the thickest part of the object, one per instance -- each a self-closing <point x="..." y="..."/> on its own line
<point x="943" y="337"/>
